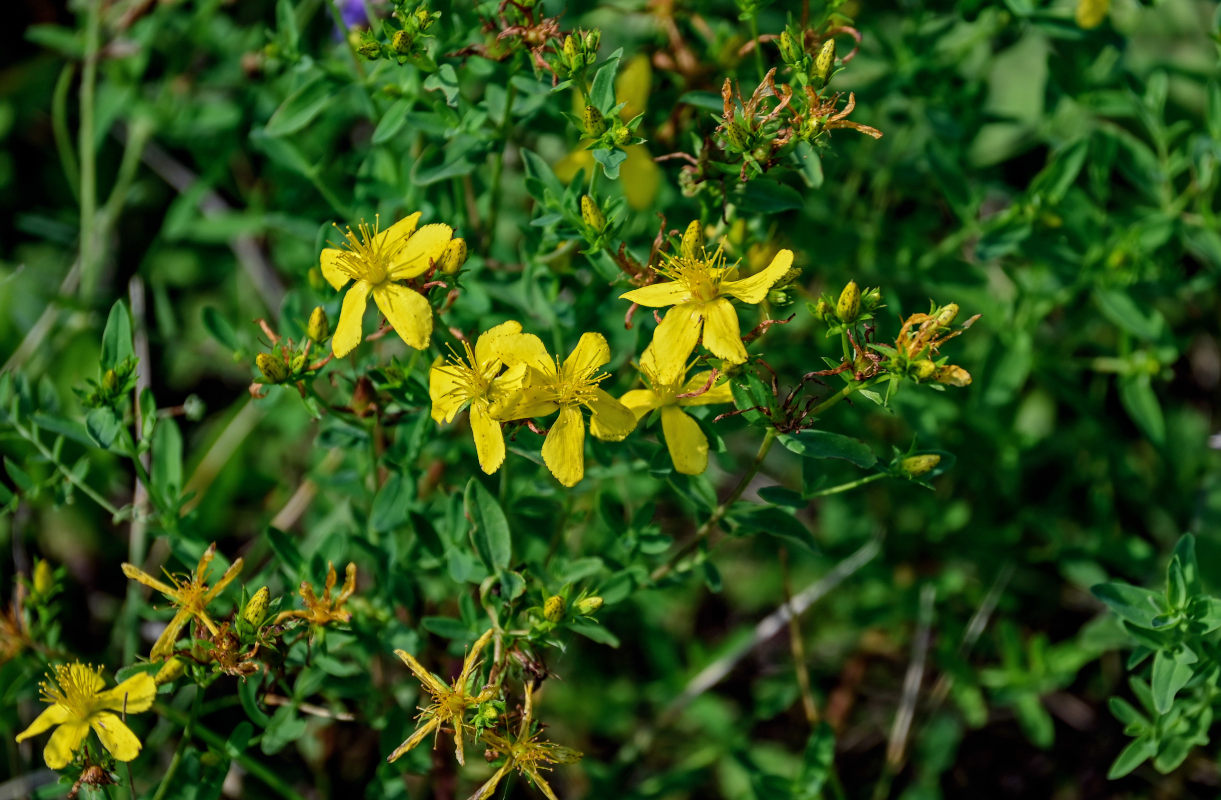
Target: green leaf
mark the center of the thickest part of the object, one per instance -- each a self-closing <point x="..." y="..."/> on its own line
<point x="1185" y="554"/>
<point x="103" y="426"/>
<point x="708" y="101"/>
<point x="1132" y="603"/>
<point x="1140" y="401"/>
<point x="286" y="550"/>
<point x="775" y="521"/>
<point x="1054" y="181"/>
<point x="116" y="338"/>
<point x="1121" y="309"/>
<point x="391" y="505"/>
<point x="1136" y="753"/>
<point x="445" y="80"/>
<point x="490" y="533"/>
<point x="391" y="122"/>
<point x="592" y="630"/>
<point x="824" y="444"/>
<point x="285" y="727"/>
<point x="301" y="107"/>
<point x="19" y="476"/>
<point x="1034" y="720"/>
<point x="167" y="460"/>
<point x="602" y="92"/>
<point x="1171" y="672"/>
<point x="809" y="164"/>
<point x="816" y="764"/>
<point x="610" y="159"/>
<point x="539" y="176"/>
<point x="764" y="196"/>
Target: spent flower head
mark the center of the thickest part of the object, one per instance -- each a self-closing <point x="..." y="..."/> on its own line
<point x="324" y="609"/>
<point x="527" y="752"/>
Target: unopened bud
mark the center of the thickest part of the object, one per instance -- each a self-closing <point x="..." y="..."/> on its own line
<point x="44" y="579"/>
<point x="454" y="256"/>
<point x="825" y="62"/>
<point x="924" y="369"/>
<point x="422" y="18"/>
<point x="370" y="48"/>
<point x="822" y="309"/>
<point x="571" y="54"/>
<point x="915" y="466"/>
<point x="589" y="605"/>
<point x="593" y="124"/>
<point x="553" y="608"/>
<point x="362" y="396"/>
<point x="790" y="51"/>
<point x="274" y="369"/>
<point x="621" y="135"/>
<point x="739" y="136"/>
<point x="592" y="40"/>
<point x="693" y="240"/>
<point x="871" y="299"/>
<point x="256" y="607"/>
<point x="319" y="326"/>
<point x="591" y="214"/>
<point x="110" y="381"/>
<point x="401" y="42"/>
<point x="848" y="307"/>
<point x="952" y="375"/>
<point x="946" y="315"/>
<point x="170" y="671"/>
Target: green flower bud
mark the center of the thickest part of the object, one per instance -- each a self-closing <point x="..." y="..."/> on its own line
<point x="946" y="314"/>
<point x="621" y="135"/>
<point x="110" y="381"/>
<point x="738" y="135"/>
<point x="591" y="214"/>
<point x="589" y="605"/>
<point x="848" y="307"/>
<point x="790" y="50"/>
<point x="693" y="240"/>
<point x="256" y="607"/>
<point x="401" y="42"/>
<point x="274" y="369"/>
<point x="593" y="124"/>
<point x="423" y="19"/>
<point x="825" y="62"/>
<point x="915" y="466"/>
<point x="871" y="299"/>
<point x="593" y="38"/>
<point x="571" y="55"/>
<point x="44" y="579"/>
<point x="370" y="48"/>
<point x="553" y="609"/>
<point x="823" y="310"/>
<point x="319" y="326"/>
<point x="924" y="369"/>
<point x="454" y="256"/>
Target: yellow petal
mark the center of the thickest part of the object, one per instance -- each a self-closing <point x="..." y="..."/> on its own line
<point x="133" y="695"/>
<point x="486" y="790"/>
<point x="488" y="345"/>
<point x="408" y="312"/>
<point x="140" y="576"/>
<point x="538" y="780"/>
<point x="423" y="248"/>
<point x="116" y="736"/>
<point x="164" y="646"/>
<point x="64" y="743"/>
<point x="591" y="352"/>
<point x="445" y="387"/>
<point x="719" y="393"/>
<point x="640" y="402"/>
<point x="335" y="274"/>
<point x="348" y="329"/>
<point x="403" y="229"/>
<point x="676" y="336"/>
<point x="612" y="421"/>
<point x="505" y="385"/>
<point x="489" y="441"/>
<point x="640" y="177"/>
<point x="753" y="289"/>
<point x="414" y="739"/>
<point x="658" y="295"/>
<point x="722" y="336"/>
<point x="530" y="402"/>
<point x="224" y="581"/>
<point x="686" y="442"/>
<point x="564" y="448"/>
<point x="528" y="349"/>
<point x="430" y="681"/>
<point x="50" y="717"/>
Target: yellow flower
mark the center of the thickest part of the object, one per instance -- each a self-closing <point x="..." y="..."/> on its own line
<point x="449" y="703"/>
<point x="189" y="593"/>
<point x="78" y="704"/>
<point x="525" y="753"/>
<point x="375" y="261"/>
<point x="552" y="386"/>
<point x="478" y="380"/>
<point x="699" y="288"/>
<point x="669" y="392"/>
<point x="321" y="610"/>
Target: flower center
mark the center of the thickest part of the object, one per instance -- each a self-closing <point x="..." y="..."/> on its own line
<point x="367" y="255"/>
<point x="577" y="386"/>
<point x="76" y="690"/>
<point x="700" y="276"/>
<point x="470" y="381"/>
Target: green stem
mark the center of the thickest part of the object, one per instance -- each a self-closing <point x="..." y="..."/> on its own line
<point x="720" y="511"/>
<point x="754" y="35"/>
<point x="176" y="760"/>
<point x="59" y="127"/>
<point x="846" y="487"/>
<point x="498" y="162"/>
<point x="88" y="155"/>
<point x="216" y="742"/>
<point x="49" y="456"/>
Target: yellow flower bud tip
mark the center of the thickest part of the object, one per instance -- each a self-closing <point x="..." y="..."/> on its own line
<point x="570" y="51"/>
<point x="110" y="380"/>
<point x="952" y="375"/>
<point x="825" y="61"/>
<point x="924" y="369"/>
<point x="44" y="579"/>
<point x="274" y="369"/>
<point x="454" y="256"/>
<point x="170" y="671"/>
<point x="848" y="307"/>
<point x="588" y="606"/>
<point x="256" y="607"/>
<point x="553" y="608"/>
<point x="319" y="327"/>
<point x="915" y="466"/>
<point x="591" y="214"/>
<point x="693" y="240"/>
